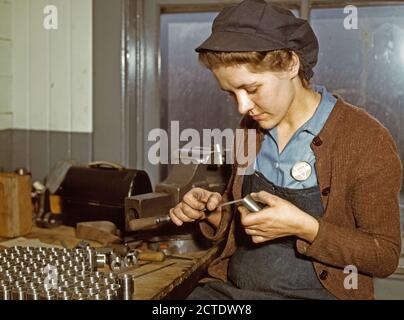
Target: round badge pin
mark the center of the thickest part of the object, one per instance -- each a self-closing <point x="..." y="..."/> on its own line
<point x="301" y="171"/>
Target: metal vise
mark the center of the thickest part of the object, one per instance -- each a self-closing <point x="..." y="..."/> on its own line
<point x="182" y="178"/>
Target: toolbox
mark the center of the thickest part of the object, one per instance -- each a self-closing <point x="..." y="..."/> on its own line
<point x="97" y="192"/>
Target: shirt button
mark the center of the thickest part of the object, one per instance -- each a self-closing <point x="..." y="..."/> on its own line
<point x="276" y="164"/>
<point x="326" y="191"/>
<point x="317" y="141"/>
<point x="323" y="275"/>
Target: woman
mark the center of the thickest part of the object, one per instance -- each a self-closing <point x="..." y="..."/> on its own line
<point x="327" y="172"/>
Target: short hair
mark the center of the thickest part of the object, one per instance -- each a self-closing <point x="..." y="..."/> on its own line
<point x="256" y="61"/>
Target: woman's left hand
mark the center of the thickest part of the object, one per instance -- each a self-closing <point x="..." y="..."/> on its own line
<point x="280" y="219"/>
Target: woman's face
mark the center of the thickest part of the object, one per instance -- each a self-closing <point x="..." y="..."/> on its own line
<point x="265" y="96"/>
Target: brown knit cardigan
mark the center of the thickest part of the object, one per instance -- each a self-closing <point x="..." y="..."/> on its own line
<point x="359" y="174"/>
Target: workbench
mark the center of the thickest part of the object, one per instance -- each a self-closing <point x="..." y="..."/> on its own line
<point x="173" y="278"/>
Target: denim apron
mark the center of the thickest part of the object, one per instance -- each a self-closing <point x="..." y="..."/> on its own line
<point x="274" y="269"/>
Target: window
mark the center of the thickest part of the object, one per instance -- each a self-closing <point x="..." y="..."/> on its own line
<point x="365" y="66"/>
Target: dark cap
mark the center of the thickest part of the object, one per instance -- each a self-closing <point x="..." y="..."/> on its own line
<point x="255" y="25"/>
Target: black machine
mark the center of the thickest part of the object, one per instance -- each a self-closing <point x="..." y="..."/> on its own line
<point x="98" y="191"/>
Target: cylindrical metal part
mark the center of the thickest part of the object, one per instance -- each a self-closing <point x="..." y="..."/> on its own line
<point x="5" y="293"/>
<point x="18" y="293"/>
<point x="33" y="294"/>
<point x="101" y="260"/>
<point x="111" y="294"/>
<point x="78" y="290"/>
<point x="64" y="295"/>
<point x="91" y="291"/>
<point x="99" y="296"/>
<point x="48" y="295"/>
<point x="92" y="258"/>
<point x="251" y="205"/>
<point x="80" y="296"/>
<point x="127" y="287"/>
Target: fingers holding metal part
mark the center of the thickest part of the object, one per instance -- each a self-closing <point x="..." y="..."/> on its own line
<point x="214" y="200"/>
<point x="177" y="215"/>
<point x="196" y="198"/>
<point x="251" y="229"/>
<point x="199" y="199"/>
<point x="192" y="213"/>
<point x="184" y="213"/>
<point x="251" y="220"/>
<point x="243" y="214"/>
<point x="193" y="206"/>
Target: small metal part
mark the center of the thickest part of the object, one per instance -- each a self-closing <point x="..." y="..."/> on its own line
<point x="18" y="293"/>
<point x="33" y="294"/>
<point x="130" y="260"/>
<point x="99" y="286"/>
<point x="65" y="284"/>
<point x="116" y="263"/>
<point x="101" y="260"/>
<point x="78" y="290"/>
<point x="64" y="295"/>
<point x="127" y="287"/>
<point x="79" y="296"/>
<point x="91" y="291"/>
<point x="51" y="295"/>
<point x="251" y="205"/>
<point x="111" y="295"/>
<point x="5" y="293"/>
<point x="92" y="259"/>
<point x="114" y="287"/>
<point x="99" y="296"/>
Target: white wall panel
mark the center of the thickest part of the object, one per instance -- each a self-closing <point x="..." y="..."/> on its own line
<point x="5" y="96"/>
<point x="82" y="61"/>
<point x="5" y="58"/>
<point x="6" y="120"/>
<point x="20" y="65"/>
<point x="5" y="64"/>
<point x="60" y="69"/>
<point x="5" y="19"/>
<point x="39" y="67"/>
<point x="52" y="69"/>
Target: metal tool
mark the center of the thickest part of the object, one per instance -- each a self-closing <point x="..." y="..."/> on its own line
<point x="144" y="223"/>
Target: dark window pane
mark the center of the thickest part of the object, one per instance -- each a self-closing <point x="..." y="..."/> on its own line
<point x="365" y="66"/>
<point x="190" y="93"/>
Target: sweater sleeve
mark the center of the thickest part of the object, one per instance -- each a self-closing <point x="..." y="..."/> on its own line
<point x="373" y="245"/>
<point x="209" y="231"/>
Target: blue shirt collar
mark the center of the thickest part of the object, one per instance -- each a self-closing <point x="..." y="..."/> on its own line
<point x="320" y="116"/>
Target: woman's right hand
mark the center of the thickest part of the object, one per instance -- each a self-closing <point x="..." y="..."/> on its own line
<point x="191" y="207"/>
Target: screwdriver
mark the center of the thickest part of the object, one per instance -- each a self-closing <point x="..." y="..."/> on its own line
<point x="144" y="223"/>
